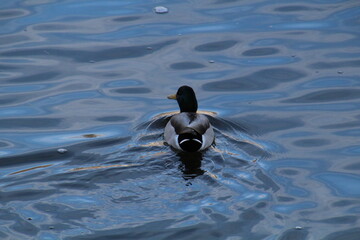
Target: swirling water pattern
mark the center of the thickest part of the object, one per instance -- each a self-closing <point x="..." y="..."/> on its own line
<point x="83" y="106"/>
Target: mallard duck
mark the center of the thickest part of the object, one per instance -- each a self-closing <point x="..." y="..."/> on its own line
<point x="188" y="131"/>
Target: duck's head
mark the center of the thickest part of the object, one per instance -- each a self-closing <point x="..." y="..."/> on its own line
<point x="186" y="99"/>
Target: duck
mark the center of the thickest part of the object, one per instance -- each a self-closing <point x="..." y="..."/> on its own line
<point x="188" y="131"/>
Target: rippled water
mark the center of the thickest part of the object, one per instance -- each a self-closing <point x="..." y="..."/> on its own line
<point x="83" y="106"/>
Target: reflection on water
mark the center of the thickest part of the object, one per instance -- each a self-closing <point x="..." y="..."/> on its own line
<point x="83" y="108"/>
<point x="191" y="165"/>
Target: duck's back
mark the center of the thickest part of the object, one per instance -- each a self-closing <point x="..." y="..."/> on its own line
<point x="189" y="129"/>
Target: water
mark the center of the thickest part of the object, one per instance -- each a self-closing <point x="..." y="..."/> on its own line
<point x="83" y="106"/>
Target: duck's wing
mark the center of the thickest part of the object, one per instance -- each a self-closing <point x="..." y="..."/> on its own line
<point x="180" y="122"/>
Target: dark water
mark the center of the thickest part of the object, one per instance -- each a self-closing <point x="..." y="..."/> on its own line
<point x="83" y="106"/>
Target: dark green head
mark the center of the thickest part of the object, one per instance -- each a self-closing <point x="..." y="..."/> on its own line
<point x="186" y="99"/>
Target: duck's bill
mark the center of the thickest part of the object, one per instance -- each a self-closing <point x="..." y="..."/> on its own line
<point x="172" y="96"/>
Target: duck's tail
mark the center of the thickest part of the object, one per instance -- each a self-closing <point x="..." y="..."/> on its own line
<point x="190" y="140"/>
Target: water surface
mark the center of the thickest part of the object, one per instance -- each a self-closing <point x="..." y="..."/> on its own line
<point x="83" y="106"/>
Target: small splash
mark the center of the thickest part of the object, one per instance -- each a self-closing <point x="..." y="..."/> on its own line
<point x="161" y="10"/>
<point x="62" y="150"/>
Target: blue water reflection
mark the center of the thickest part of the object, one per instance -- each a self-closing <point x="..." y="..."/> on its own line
<point x="83" y="107"/>
<point x="289" y="208"/>
<point x="341" y="184"/>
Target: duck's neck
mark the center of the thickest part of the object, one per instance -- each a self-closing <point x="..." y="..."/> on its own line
<point x="188" y="105"/>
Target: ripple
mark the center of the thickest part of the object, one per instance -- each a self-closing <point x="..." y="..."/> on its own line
<point x="289" y="172"/>
<point x="12" y="13"/>
<point x="349" y="150"/>
<point x="343" y="203"/>
<point x="260" y="52"/>
<point x="206" y="75"/>
<point x="18" y="225"/>
<point x="25" y="194"/>
<point x="311" y="142"/>
<point x="39" y="77"/>
<point x="294" y="8"/>
<point x="122" y="83"/>
<point x="215" y="46"/>
<point x="285" y="199"/>
<point x="112" y="119"/>
<point x="342" y="184"/>
<point x="49" y="27"/>
<point x="90" y="55"/>
<point x="25" y="89"/>
<point x="335" y="65"/>
<point x="352" y="166"/>
<point x="11" y="99"/>
<point x="294" y="234"/>
<point x="126" y="19"/>
<point x="13" y="39"/>
<point x="263" y="124"/>
<point x="7" y="67"/>
<point x="64" y="211"/>
<point x="328" y="82"/>
<point x="186" y="65"/>
<point x="4" y="144"/>
<point x="290" y="208"/>
<point x="136" y="90"/>
<point x="260" y="80"/>
<point x="329" y="95"/>
<point x="302" y="25"/>
<point x="339" y="220"/>
<point x="349" y="234"/>
<point x="30" y="123"/>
